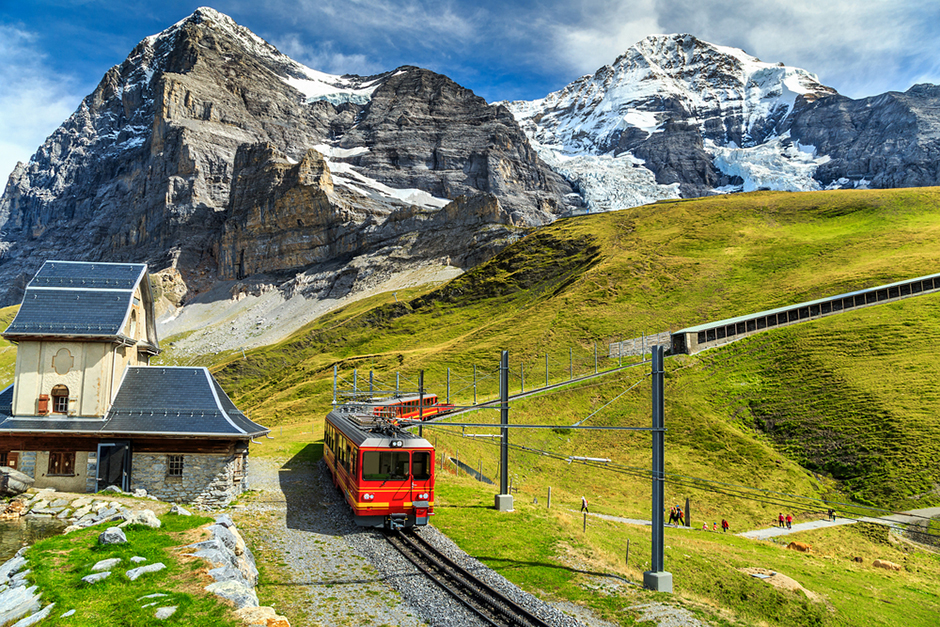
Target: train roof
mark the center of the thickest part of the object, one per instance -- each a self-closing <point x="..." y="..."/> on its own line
<point x="396" y="400"/>
<point x="365" y="429"/>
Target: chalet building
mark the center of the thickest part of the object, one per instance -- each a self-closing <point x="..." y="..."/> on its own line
<point x="86" y="410"/>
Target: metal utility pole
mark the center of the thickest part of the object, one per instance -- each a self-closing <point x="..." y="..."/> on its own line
<point x="420" y="402"/>
<point x="656" y="578"/>
<point x="504" y="498"/>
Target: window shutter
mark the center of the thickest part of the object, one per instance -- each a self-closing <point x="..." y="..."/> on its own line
<point x="43" y="408"/>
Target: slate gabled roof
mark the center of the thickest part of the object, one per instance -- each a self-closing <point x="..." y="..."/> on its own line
<point x="6" y="401"/>
<point x="79" y="300"/>
<point x="176" y="401"/>
<point x="152" y="401"/>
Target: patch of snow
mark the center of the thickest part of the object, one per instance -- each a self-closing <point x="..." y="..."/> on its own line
<point x="778" y="164"/>
<point x="334" y="89"/>
<point x="608" y="183"/>
<point x="346" y="175"/>
<point x="340" y="153"/>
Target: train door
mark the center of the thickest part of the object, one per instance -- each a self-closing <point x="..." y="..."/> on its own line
<point x="400" y="472"/>
<point x="422" y="474"/>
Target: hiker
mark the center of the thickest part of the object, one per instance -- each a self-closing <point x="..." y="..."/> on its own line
<point x="715" y="526"/>
<point x="673" y="517"/>
<point x="681" y="518"/>
<point x="584" y="507"/>
<point x="704" y="526"/>
<point x="789" y="521"/>
<point x="832" y="514"/>
<point x="780" y="520"/>
<point x="724" y="525"/>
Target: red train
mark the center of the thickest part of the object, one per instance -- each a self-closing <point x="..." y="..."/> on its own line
<point x="386" y="474"/>
<point x="411" y="407"/>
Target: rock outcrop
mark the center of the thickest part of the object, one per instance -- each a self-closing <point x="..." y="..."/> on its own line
<point x="158" y="164"/>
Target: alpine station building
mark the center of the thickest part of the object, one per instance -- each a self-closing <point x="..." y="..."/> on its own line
<point x="86" y="410"/>
<point x="698" y="338"/>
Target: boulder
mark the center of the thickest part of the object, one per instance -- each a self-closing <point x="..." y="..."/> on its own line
<point x="179" y="510"/>
<point x="96" y="577"/>
<point x="141" y="517"/>
<point x="14" y="482"/>
<point x="112" y="535"/>
<point x="235" y="591"/>
<point x="799" y="546"/>
<point x="106" y="564"/>
<point x="886" y="565"/>
<point x="134" y="573"/>
<point x="263" y="616"/>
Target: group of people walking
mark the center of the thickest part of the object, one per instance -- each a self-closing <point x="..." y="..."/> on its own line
<point x="788" y="520"/>
<point x="676" y="517"/>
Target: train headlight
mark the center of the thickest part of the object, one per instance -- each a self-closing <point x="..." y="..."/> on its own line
<point x="368" y="497"/>
<point x="396" y="444"/>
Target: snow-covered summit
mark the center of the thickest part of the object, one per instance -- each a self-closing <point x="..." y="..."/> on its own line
<point x="677" y="90"/>
<point x="660" y="77"/>
<point x="313" y="84"/>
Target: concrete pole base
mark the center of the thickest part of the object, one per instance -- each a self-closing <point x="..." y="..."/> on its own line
<point x="503" y="503"/>
<point x="658" y="582"/>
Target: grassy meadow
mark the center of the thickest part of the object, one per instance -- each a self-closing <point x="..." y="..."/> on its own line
<point x="842" y="410"/>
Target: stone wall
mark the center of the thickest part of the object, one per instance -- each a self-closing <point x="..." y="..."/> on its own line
<point x="207" y="480"/>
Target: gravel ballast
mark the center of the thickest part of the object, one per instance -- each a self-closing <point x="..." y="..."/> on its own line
<point x="350" y="575"/>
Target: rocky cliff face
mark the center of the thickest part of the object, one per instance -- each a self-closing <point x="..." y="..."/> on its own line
<point x="677" y="116"/>
<point x="209" y="152"/>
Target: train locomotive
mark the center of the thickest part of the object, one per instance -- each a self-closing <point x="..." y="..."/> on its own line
<point x="386" y="473"/>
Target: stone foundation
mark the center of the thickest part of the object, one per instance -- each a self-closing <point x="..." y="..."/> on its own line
<point x="208" y="481"/>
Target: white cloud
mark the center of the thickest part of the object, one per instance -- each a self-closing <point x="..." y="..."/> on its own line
<point x="860" y="48"/>
<point x="604" y="31"/>
<point x="325" y="58"/>
<point x="34" y="99"/>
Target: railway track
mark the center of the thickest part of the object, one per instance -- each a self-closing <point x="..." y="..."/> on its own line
<point x="491" y="606"/>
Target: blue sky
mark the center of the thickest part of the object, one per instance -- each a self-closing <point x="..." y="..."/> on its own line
<point x="54" y="52"/>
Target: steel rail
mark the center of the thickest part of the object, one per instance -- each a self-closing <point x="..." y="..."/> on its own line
<point x="487" y="603"/>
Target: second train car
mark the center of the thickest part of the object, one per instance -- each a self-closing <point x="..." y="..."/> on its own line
<point x="386" y="473"/>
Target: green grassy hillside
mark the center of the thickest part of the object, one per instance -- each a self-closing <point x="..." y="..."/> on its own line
<point x="842" y="408"/>
<point x="665" y="266"/>
<point x="7" y="350"/>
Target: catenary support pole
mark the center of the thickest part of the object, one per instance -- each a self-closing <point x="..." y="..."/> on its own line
<point x="335" y="374"/>
<point x="421" y="402"/>
<point x="656" y="578"/>
<point x="504" y="498"/>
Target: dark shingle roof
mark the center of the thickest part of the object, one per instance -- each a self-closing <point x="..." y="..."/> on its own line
<point x="153" y="401"/>
<point x="6" y="401"/>
<point x="77" y="299"/>
<point x="176" y="401"/>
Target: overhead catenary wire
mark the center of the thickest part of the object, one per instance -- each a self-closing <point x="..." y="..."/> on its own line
<point x="753" y="494"/>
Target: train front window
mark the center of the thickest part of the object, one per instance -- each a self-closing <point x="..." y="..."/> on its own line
<point x="421" y="465"/>
<point x="384" y="465"/>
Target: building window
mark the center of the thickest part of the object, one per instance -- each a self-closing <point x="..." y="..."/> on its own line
<point x="9" y="459"/>
<point x="174" y="465"/>
<point x="60" y="399"/>
<point x="61" y="463"/>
